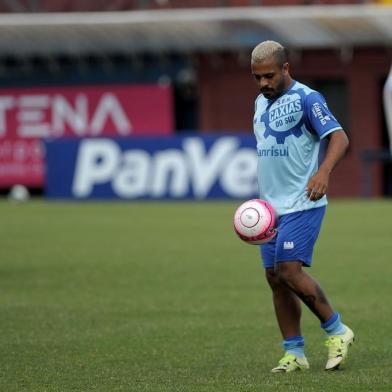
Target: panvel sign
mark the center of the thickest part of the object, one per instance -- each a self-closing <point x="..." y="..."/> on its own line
<point x="27" y="115"/>
<point x="152" y="168"/>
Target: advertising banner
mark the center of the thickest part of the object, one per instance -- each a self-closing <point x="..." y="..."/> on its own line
<point x="27" y="115"/>
<point x="189" y="167"/>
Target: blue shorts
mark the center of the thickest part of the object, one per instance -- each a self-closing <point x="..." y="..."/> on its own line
<point x="297" y="234"/>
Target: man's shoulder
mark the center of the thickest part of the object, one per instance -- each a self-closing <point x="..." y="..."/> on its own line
<point x="304" y="88"/>
<point x="260" y="102"/>
<point x="309" y="96"/>
<point x="260" y="98"/>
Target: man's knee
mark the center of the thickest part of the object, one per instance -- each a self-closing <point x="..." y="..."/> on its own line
<point x="273" y="279"/>
<point x="288" y="272"/>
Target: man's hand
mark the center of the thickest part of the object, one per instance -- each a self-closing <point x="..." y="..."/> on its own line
<point x="337" y="146"/>
<point x="318" y="185"/>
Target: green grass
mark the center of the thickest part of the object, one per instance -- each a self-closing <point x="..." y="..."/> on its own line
<point x="164" y="297"/>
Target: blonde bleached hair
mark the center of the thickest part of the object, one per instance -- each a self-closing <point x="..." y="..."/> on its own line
<point x="267" y="49"/>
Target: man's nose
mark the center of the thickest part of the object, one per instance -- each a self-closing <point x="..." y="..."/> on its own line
<point x="263" y="83"/>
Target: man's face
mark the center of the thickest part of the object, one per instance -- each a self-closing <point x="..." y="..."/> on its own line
<point x="270" y="77"/>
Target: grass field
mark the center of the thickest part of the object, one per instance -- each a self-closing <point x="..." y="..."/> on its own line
<point x="164" y="297"/>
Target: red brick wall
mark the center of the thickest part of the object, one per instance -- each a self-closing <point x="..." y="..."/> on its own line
<point x="227" y="95"/>
<point x="363" y="71"/>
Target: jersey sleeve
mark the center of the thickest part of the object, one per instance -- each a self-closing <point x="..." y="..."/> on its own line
<point x="319" y="118"/>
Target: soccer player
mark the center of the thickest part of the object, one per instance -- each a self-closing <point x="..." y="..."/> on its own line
<point x="289" y="122"/>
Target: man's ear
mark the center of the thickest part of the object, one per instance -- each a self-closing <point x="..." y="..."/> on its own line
<point x="286" y="67"/>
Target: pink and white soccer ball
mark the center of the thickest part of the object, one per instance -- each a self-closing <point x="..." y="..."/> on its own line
<point x="254" y="222"/>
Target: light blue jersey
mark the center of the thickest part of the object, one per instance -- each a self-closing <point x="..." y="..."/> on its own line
<point x="288" y="131"/>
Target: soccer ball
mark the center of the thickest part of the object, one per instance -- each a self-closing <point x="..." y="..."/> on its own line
<point x="254" y="222"/>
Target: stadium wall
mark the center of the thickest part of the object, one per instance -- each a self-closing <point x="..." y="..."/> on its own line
<point x="214" y="93"/>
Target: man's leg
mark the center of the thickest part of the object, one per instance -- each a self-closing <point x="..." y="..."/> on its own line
<point x="287" y="305"/>
<point x="290" y="273"/>
<point x="309" y="291"/>
<point x="288" y="313"/>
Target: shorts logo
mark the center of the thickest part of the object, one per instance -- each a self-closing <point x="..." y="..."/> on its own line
<point x="288" y="245"/>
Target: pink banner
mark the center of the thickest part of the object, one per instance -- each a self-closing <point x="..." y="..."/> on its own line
<point x="21" y="162"/>
<point x="28" y="115"/>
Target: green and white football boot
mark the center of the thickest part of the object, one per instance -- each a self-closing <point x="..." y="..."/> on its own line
<point x="291" y="363"/>
<point x="338" y="348"/>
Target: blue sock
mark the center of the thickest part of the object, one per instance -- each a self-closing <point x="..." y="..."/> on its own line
<point x="333" y="326"/>
<point x="294" y="345"/>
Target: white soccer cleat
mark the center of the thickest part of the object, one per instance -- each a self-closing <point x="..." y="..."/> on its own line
<point x="338" y="348"/>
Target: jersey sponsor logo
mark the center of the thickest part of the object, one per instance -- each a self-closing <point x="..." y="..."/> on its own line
<point x="285" y="110"/>
<point x="318" y="113"/>
<point x="288" y="245"/>
<point x="283" y="118"/>
<point x="273" y="152"/>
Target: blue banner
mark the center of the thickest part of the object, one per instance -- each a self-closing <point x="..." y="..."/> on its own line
<point x="178" y="167"/>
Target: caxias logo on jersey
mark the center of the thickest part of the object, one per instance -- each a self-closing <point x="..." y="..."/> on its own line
<point x="283" y="118"/>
